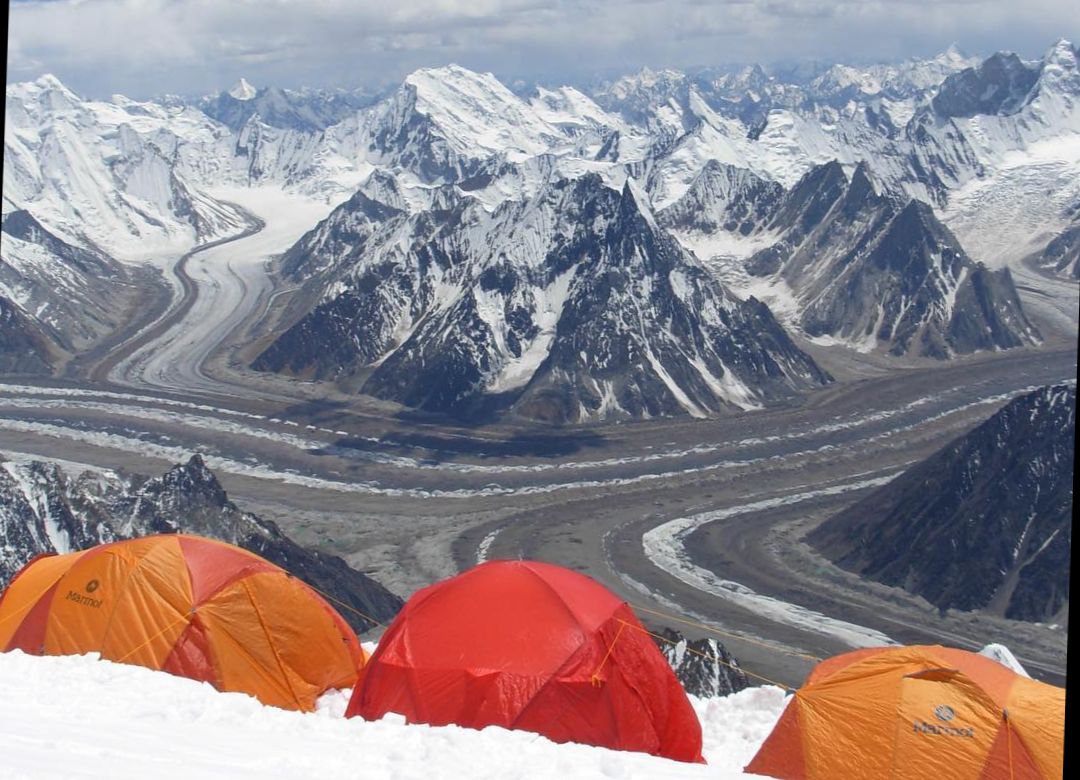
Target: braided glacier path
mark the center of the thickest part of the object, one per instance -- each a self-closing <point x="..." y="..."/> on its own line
<point x="222" y="286"/>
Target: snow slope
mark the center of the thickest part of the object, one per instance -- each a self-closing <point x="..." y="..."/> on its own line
<point x="78" y="717"/>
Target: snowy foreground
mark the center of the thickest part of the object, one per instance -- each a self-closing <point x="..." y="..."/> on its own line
<point x="78" y="717"/>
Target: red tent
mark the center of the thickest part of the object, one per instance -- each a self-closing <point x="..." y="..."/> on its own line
<point x="529" y="646"/>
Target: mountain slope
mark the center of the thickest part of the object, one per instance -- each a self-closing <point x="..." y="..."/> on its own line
<point x="878" y="273"/>
<point x="71" y="296"/>
<point x="24" y="349"/>
<point x="570" y="306"/>
<point x="104" y="175"/>
<point x="986" y="523"/>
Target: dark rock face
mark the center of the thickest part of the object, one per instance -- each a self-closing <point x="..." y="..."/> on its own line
<point x="704" y="666"/>
<point x="573" y="305"/>
<point x="723" y="197"/>
<point x="999" y="85"/>
<point x="1062" y="254"/>
<point x="76" y="292"/>
<point x="43" y="509"/>
<point x="986" y="523"/>
<point x="23" y="347"/>
<point x="874" y="269"/>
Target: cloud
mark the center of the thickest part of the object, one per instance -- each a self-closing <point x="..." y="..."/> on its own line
<point x="145" y="47"/>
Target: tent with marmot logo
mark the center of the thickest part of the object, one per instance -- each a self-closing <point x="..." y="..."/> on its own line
<point x="917" y="712"/>
<point x="529" y="646"/>
<point x="194" y="607"/>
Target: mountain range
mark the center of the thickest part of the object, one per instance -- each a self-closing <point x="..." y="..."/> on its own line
<point x="664" y="243"/>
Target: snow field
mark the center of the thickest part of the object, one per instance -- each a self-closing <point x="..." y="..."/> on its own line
<point x="79" y="717"/>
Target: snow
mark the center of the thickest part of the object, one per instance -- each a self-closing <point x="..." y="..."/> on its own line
<point x="77" y="716"/>
<point x="548" y="303"/>
<point x="1004" y="656"/>
<point x="242" y="90"/>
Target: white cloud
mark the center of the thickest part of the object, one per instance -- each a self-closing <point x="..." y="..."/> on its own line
<point x="142" y="47"/>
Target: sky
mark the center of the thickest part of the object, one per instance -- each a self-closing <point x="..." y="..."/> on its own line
<point x="143" y="48"/>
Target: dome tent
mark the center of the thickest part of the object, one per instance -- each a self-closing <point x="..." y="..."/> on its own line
<point x="917" y="712"/>
<point x="190" y="606"/>
<point x="529" y="646"/>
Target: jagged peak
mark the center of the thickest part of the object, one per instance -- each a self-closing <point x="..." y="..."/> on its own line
<point x="372" y="208"/>
<point x="49" y="81"/>
<point x="861" y="186"/>
<point x="242" y="90"/>
<point x="828" y="173"/>
<point x="438" y="77"/>
<point x="46" y="84"/>
<point x="1062" y="53"/>
<point x="635" y="198"/>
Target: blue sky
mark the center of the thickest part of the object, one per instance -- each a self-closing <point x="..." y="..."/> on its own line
<point x="146" y="47"/>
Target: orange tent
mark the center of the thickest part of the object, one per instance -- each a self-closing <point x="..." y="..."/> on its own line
<point x="186" y="605"/>
<point x="917" y="712"/>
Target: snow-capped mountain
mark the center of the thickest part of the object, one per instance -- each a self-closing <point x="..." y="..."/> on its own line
<point x="878" y="273"/>
<point x="304" y="110"/>
<point x="104" y="175"/>
<point x="59" y="296"/>
<point x="986" y="523"/>
<point x="569" y="306"/>
<point x="454" y="153"/>
<point x="48" y="508"/>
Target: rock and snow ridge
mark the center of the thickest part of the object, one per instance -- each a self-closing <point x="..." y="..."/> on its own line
<point x="570" y="306"/>
<point x="129" y="178"/>
<point x="876" y="272"/>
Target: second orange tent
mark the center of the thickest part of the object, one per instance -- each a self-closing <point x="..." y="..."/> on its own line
<point x="190" y="606"/>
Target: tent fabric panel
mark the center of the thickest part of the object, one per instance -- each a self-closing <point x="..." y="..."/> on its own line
<point x="548" y="627"/>
<point x="848" y="729"/>
<point x="246" y="660"/>
<point x="1009" y="758"/>
<point x="310" y="645"/>
<point x="782" y="752"/>
<point x="591" y="604"/>
<point x="153" y="608"/>
<point x="29" y="635"/>
<point x="24" y="605"/>
<point x="945" y="727"/>
<point x="649" y="680"/>
<point x="270" y="639"/>
<point x="992" y="677"/>
<point x="85" y="599"/>
<point x="192" y="655"/>
<point x="213" y="565"/>
<point x="1037" y="715"/>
